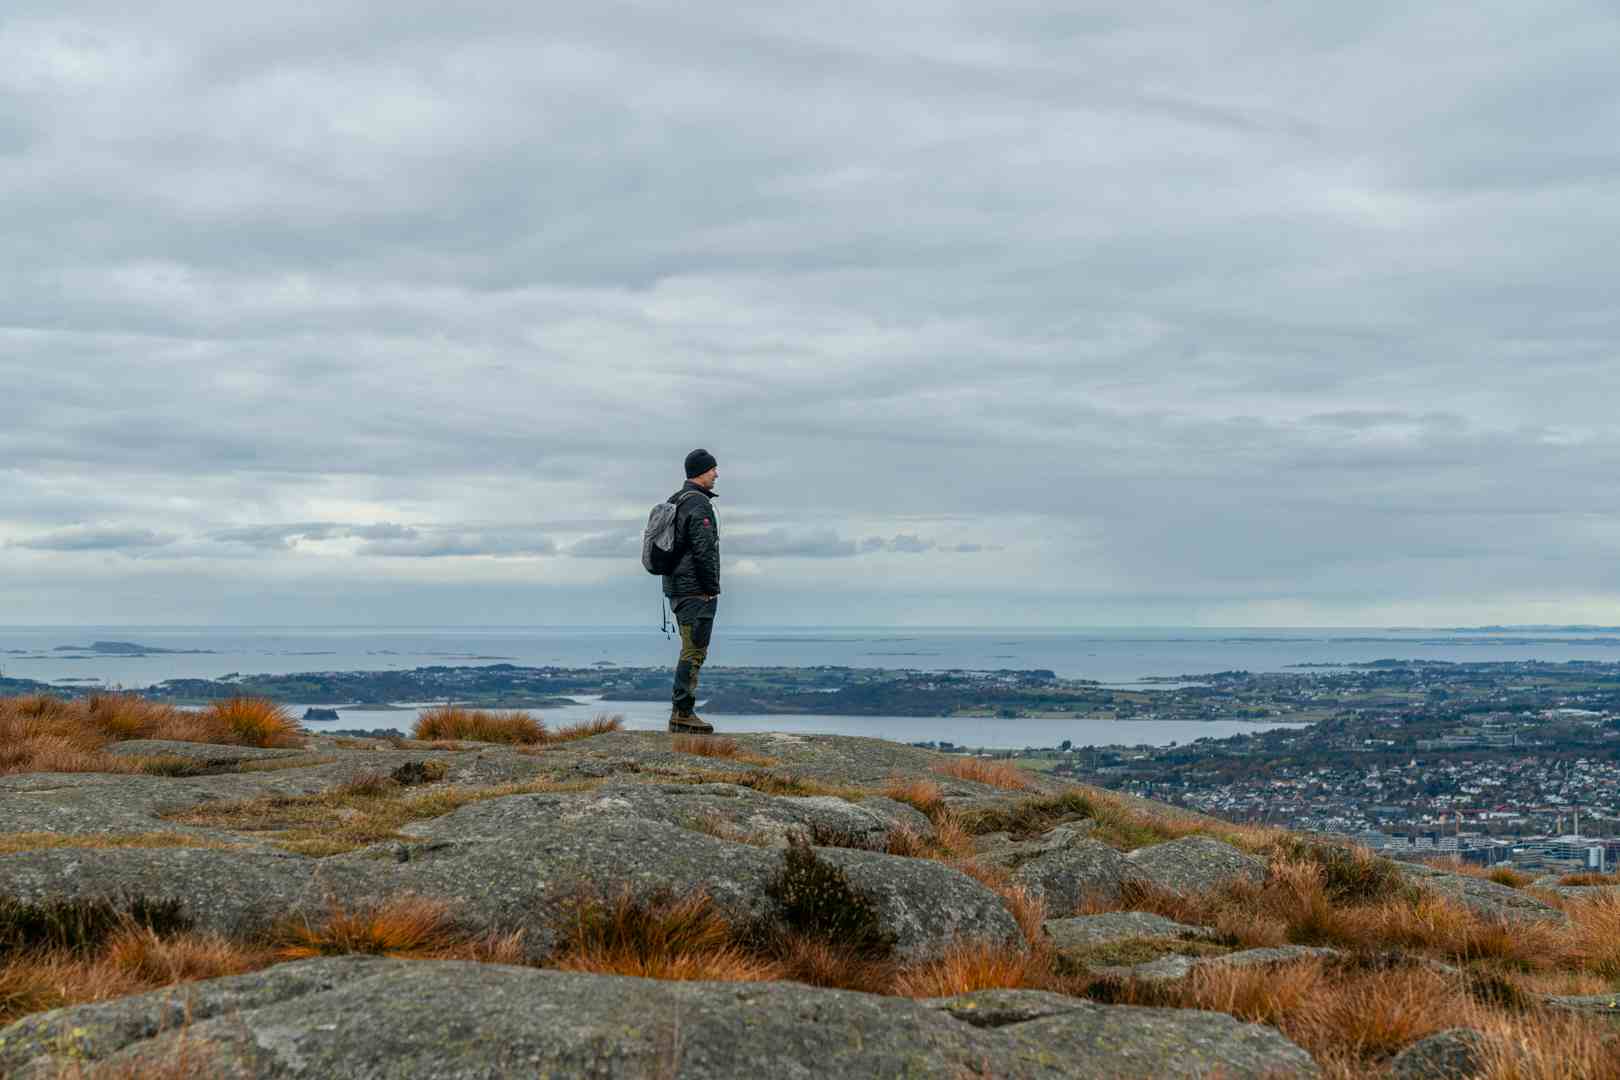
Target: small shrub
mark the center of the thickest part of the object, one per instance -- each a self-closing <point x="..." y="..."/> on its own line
<point x="979" y="770"/>
<point x="815" y="898"/>
<point x="478" y="725"/>
<point x="1506" y="875"/>
<point x="412" y="773"/>
<point x="79" y="926"/>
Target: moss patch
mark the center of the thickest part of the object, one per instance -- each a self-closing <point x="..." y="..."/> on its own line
<point x="12" y="843"/>
<point x="365" y="811"/>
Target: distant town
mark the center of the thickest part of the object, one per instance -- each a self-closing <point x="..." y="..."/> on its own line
<point x="1489" y="762"/>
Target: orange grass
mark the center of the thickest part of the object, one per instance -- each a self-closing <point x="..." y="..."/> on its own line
<point x="133" y="961"/>
<point x="684" y="938"/>
<point x="923" y="795"/>
<point x="969" y="966"/>
<point x="981" y="770"/>
<point x="478" y="725"/>
<point x="45" y="734"/>
<point x="716" y="747"/>
<point x="585" y="729"/>
<point x="409" y="926"/>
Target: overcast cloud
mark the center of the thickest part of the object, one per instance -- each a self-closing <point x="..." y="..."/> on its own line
<point x="1031" y="313"/>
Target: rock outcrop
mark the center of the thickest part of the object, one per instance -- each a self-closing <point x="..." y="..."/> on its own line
<point x="1485" y="897"/>
<point x="370" y="1017"/>
<point x="1067" y="873"/>
<point x="1195" y="864"/>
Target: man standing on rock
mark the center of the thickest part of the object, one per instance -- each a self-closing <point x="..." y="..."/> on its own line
<point x="693" y="587"/>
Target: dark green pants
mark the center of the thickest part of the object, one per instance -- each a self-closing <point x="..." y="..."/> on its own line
<point x="695" y="617"/>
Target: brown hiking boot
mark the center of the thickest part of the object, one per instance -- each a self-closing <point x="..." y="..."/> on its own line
<point x="689" y="724"/>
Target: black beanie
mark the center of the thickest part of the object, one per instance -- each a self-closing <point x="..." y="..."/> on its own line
<point x="699" y="462"/>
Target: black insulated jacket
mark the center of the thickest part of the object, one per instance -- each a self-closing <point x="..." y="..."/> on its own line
<point x="697" y="538"/>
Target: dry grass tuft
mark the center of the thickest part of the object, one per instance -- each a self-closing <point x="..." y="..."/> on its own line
<point x="969" y="966"/>
<point x="717" y="747"/>
<point x="923" y="795"/>
<point x="246" y="721"/>
<point x="1593" y="936"/>
<point x="132" y="961"/>
<point x="983" y="771"/>
<point x="1590" y="879"/>
<point x="12" y="843"/>
<point x="478" y="725"/>
<point x="664" y="937"/>
<point x="773" y="783"/>
<point x="408" y="926"/>
<point x="585" y="729"/>
<point x="44" y="734"/>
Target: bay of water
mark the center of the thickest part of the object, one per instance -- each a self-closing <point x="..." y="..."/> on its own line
<point x="1116" y="657"/>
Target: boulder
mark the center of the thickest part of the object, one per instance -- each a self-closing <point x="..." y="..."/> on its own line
<point x="1000" y="849"/>
<point x="926" y="904"/>
<point x="1084" y="931"/>
<point x="508" y="877"/>
<point x="501" y="871"/>
<point x="236" y="893"/>
<point x="1483" y="897"/>
<point x="1079" y="869"/>
<point x="1453" y="1054"/>
<point x="1605" y="1005"/>
<point x="729" y="808"/>
<point x="213" y="754"/>
<point x="1195" y="864"/>
<point x="373" y="1018"/>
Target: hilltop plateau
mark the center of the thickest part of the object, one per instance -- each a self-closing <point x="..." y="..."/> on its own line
<point x="223" y="894"/>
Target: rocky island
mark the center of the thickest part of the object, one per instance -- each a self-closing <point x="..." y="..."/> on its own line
<point x="220" y="894"/>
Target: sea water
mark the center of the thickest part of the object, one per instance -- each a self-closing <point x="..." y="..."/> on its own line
<point x="1115" y="657"/>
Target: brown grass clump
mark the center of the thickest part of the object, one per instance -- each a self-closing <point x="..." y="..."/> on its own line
<point x="774" y="783"/>
<point x="246" y="721"/>
<point x="995" y="773"/>
<point x="1590" y="879"/>
<point x="970" y="966"/>
<point x="1593" y="936"/>
<point x="665" y="937"/>
<point x="1501" y="874"/>
<point x="923" y="795"/>
<point x="478" y="725"/>
<point x="132" y="961"/>
<point x="717" y="747"/>
<point x="44" y="734"/>
<point x="585" y="729"/>
<point x="408" y="926"/>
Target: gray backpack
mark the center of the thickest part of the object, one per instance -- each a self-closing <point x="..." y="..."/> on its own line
<point x="658" y="555"/>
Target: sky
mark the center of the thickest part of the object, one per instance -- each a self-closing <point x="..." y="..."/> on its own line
<point x="1042" y="314"/>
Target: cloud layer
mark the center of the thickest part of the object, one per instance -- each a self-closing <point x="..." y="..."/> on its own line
<point x="991" y="315"/>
